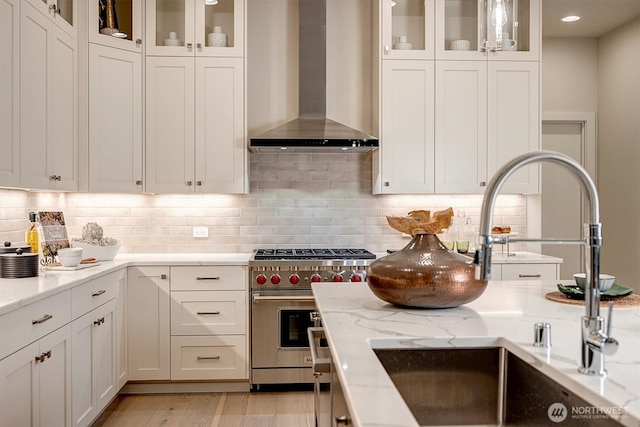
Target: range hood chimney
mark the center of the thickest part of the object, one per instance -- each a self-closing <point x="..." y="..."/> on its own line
<point x="312" y="130"/>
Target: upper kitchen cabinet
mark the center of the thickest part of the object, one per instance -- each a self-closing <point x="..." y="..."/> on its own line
<point x="194" y="28"/>
<point x="503" y="30"/>
<point x="407" y="29"/>
<point x="115" y="120"/>
<point x="10" y="93"/>
<point x="62" y="13"/>
<point x="195" y="138"/>
<point x="49" y="99"/>
<point x="116" y="24"/>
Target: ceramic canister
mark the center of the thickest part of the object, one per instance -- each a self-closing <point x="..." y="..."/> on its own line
<point x="217" y="38"/>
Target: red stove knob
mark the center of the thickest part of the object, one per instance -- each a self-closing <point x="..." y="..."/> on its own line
<point x="316" y="278"/>
<point x="355" y="277"/>
<point x="294" y="279"/>
<point x="261" y="279"/>
<point x="275" y="279"/>
<point x="337" y="278"/>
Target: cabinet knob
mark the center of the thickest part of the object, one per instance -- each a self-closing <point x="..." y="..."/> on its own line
<point x="343" y="420"/>
<point x="483" y="183"/>
<point x="386" y="183"/>
<point x="198" y="182"/>
<point x="163" y="276"/>
<point x="199" y="45"/>
<point x="189" y="45"/>
<point x="139" y="182"/>
<point x="189" y="183"/>
<point x="54" y="8"/>
<point x="387" y="49"/>
<point x="138" y="42"/>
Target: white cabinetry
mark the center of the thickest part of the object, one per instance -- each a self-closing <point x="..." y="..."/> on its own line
<point x="62" y="13"/>
<point x="115" y="96"/>
<point x="35" y="383"/>
<point x="485" y="109"/>
<point x="407" y="126"/>
<point x="94" y="363"/>
<point x="195" y="124"/>
<point x="209" y="323"/>
<point x="95" y="345"/>
<point x="129" y="36"/>
<point x="527" y="271"/>
<point x="10" y="93"/>
<point x="148" y="323"/>
<point x="115" y="119"/>
<point x="192" y="22"/>
<point x="49" y="98"/>
<point x="35" y="364"/>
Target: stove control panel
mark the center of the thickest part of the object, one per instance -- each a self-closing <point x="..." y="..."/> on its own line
<point x="275" y="277"/>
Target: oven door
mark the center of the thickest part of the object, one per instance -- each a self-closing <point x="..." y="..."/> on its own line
<point x="279" y="323"/>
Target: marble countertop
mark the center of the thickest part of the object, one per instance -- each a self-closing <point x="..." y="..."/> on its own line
<point x="15" y="293"/>
<point x="517" y="257"/>
<point x="355" y="320"/>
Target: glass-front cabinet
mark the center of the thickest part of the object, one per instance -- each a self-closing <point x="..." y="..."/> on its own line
<point x="499" y="29"/>
<point x="195" y="27"/>
<point x="116" y="23"/>
<point x="62" y="12"/>
<point x="407" y="29"/>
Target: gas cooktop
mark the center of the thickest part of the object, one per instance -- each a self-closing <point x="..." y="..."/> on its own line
<point x="312" y="254"/>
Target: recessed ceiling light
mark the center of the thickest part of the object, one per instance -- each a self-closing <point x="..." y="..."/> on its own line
<point x="570" y="18"/>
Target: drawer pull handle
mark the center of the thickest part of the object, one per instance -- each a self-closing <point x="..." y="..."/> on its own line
<point x="207" y="278"/>
<point x="99" y="322"/>
<point x="208" y="357"/>
<point x="42" y="319"/>
<point x="100" y="292"/>
<point x="202" y="313"/>
<point x="523" y="276"/>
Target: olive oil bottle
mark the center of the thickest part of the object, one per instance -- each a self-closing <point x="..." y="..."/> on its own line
<point x="31" y="235"/>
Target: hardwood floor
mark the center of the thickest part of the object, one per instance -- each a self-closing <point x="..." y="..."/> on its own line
<point x="255" y="409"/>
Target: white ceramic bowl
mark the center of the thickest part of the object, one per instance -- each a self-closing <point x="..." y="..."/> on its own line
<point x="103" y="253"/>
<point x="605" y="281"/>
<point x="70" y="257"/>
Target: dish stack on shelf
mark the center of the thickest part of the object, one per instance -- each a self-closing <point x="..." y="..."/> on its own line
<point x="17" y="262"/>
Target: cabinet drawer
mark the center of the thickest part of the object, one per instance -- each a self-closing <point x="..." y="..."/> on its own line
<point x="208" y="312"/>
<point x="30" y="323"/>
<point x="90" y="295"/>
<point x="529" y="272"/>
<point x="209" y="358"/>
<point x="209" y="278"/>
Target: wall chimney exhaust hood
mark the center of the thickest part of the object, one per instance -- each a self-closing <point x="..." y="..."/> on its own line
<point x="312" y="130"/>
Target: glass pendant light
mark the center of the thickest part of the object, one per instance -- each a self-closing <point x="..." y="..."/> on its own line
<point x="502" y="25"/>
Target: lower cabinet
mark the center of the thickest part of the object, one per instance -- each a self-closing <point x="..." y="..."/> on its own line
<point x="35" y="383"/>
<point x="93" y="375"/>
<point x="526" y="272"/>
<point x="208" y="357"/>
<point x="148" y="323"/>
<point x="187" y="323"/>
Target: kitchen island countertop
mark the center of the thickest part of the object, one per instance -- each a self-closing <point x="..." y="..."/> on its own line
<point x="355" y="321"/>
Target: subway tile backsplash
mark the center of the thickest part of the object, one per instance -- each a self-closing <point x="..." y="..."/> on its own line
<point x="296" y="200"/>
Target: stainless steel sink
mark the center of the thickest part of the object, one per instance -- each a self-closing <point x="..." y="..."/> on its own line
<point x="479" y="386"/>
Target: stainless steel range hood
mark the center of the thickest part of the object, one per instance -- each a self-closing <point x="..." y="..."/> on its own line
<point x="312" y="130"/>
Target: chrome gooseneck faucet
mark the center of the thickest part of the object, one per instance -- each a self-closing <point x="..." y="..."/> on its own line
<point x="596" y="343"/>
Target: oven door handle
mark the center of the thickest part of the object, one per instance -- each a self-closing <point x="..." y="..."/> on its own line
<point x="298" y="298"/>
<point x="320" y="364"/>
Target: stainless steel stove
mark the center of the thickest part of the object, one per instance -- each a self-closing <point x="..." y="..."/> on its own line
<point x="282" y="306"/>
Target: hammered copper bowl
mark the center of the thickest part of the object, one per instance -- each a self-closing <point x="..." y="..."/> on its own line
<point x="425" y="274"/>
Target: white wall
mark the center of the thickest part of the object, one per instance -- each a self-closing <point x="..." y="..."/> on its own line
<point x="619" y="151"/>
<point x="569" y="75"/>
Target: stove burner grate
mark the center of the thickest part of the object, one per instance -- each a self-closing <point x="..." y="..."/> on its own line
<point x="294" y="254"/>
